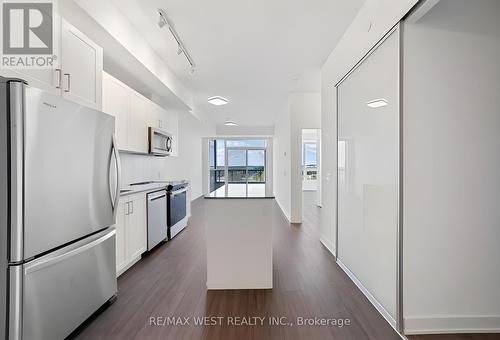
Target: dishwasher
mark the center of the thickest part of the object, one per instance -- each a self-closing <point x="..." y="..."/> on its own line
<point x="157" y="218"/>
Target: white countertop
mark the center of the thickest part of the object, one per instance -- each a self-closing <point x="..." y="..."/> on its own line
<point x="147" y="187"/>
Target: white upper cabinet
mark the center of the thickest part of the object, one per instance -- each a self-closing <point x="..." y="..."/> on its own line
<point x="116" y="102"/>
<point x="134" y="114"/>
<point x="138" y="127"/>
<point x="157" y="116"/>
<point x="81" y="67"/>
<point x="78" y="75"/>
<point x="130" y="110"/>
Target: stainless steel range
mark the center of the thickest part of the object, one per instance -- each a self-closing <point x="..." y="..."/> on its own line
<point x="176" y="207"/>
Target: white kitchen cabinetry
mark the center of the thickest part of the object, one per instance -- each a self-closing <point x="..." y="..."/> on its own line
<point x="79" y="75"/>
<point x="131" y="231"/>
<point x="137" y="128"/>
<point x="137" y="227"/>
<point x="121" y="249"/>
<point x="81" y="61"/>
<point x="134" y="114"/>
<point x="158" y="116"/>
<point x="116" y="102"/>
<point x="130" y="110"/>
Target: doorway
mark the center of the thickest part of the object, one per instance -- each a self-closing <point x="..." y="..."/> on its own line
<point x="310" y="140"/>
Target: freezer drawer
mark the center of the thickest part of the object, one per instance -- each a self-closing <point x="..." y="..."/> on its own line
<point x="63" y="288"/>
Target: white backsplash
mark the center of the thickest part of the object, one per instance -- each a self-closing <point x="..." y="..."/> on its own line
<point x="139" y="168"/>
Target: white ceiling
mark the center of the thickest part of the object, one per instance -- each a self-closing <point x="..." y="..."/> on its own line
<point x="253" y="52"/>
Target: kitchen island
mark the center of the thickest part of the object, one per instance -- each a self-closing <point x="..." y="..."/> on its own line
<point x="239" y="242"/>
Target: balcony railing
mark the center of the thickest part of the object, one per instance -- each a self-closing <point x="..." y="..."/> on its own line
<point x="255" y="174"/>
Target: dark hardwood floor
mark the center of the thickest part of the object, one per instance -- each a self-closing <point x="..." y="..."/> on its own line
<point x="171" y="282"/>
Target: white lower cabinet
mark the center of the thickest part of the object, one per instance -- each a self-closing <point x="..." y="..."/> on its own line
<point x="121" y="249"/>
<point x="131" y="231"/>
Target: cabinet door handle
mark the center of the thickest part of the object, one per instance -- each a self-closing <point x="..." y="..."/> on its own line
<point x="132" y="204"/>
<point x="59" y="78"/>
<point x="68" y="77"/>
<point x="127" y="212"/>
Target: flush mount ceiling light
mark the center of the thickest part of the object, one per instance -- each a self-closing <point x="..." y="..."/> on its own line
<point x="377" y="103"/>
<point x="218" y="101"/>
<point x="229" y="122"/>
<point x="181" y="49"/>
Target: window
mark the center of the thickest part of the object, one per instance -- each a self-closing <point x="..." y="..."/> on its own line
<point x="309" y="161"/>
<point x="240" y="168"/>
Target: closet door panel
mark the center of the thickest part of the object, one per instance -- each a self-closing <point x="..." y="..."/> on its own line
<point x="368" y="172"/>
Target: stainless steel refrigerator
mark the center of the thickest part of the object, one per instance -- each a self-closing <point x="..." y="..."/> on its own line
<point x="59" y="189"/>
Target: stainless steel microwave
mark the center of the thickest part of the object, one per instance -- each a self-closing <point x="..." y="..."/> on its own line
<point x="160" y="142"/>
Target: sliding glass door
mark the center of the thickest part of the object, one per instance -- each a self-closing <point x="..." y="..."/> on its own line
<point x="246" y="172"/>
<point x="238" y="167"/>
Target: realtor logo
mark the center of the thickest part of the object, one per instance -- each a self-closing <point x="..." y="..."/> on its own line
<point x="28" y="28"/>
<point x="28" y="34"/>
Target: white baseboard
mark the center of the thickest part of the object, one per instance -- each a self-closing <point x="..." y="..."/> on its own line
<point x="368" y="295"/>
<point x="442" y="324"/>
<point x="285" y="213"/>
<point x="328" y="245"/>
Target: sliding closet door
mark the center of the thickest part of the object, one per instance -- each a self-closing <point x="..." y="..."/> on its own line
<point x="368" y="174"/>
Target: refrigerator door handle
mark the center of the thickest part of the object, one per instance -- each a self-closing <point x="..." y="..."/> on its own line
<point x="114" y="196"/>
<point x="49" y="260"/>
<point x="17" y="147"/>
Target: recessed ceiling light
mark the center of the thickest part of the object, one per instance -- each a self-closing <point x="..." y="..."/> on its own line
<point x="377" y="103"/>
<point x="218" y="101"/>
<point x="230" y="123"/>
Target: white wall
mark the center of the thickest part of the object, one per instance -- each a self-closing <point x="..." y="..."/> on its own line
<point x="244" y="130"/>
<point x="373" y="21"/>
<point x="303" y="111"/>
<point x="187" y="165"/>
<point x="451" y="168"/>
<point x="281" y="160"/>
<point x="107" y="15"/>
